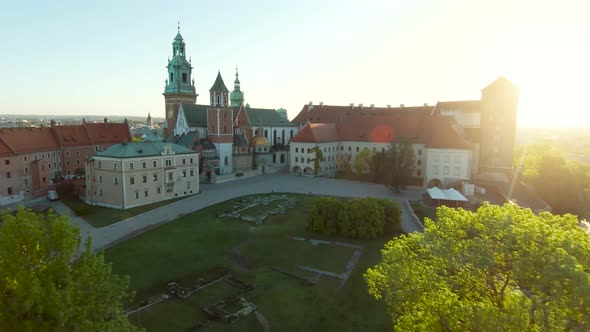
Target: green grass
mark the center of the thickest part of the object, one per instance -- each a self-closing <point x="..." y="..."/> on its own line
<point x="423" y="211"/>
<point x="99" y="216"/>
<point x="196" y="243"/>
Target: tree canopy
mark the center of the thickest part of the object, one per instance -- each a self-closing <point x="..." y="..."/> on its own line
<point x="500" y="268"/>
<point x="42" y="290"/>
<point x="319" y="157"/>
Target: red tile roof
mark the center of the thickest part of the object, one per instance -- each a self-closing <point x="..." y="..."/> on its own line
<point x="331" y="114"/>
<point x="385" y="127"/>
<point x="26" y="139"/>
<point x="317" y="132"/>
<point x="5" y="149"/>
<point x="463" y="106"/>
<point x="72" y="135"/>
<point x="108" y="133"/>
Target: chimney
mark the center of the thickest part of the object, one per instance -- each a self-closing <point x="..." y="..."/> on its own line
<point x="310" y="103"/>
<point x="106" y="120"/>
<point x="402" y="106"/>
<point x="388" y="106"/>
<point x="361" y="106"/>
<point x="425" y="105"/>
<point x="52" y="123"/>
<point x="372" y="106"/>
<point x="83" y="120"/>
<point x="321" y="103"/>
<point x="351" y="105"/>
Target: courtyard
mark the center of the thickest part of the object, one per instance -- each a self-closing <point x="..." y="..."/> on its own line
<point x="300" y="281"/>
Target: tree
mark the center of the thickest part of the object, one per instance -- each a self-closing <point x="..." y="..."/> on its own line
<point x="361" y="161"/>
<point x="500" y="268"/>
<point x="42" y="290"/>
<point x="324" y="215"/>
<point x="319" y="157"/>
<point x="400" y="163"/>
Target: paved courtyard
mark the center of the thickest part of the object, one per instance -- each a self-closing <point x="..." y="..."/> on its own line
<point x="215" y="193"/>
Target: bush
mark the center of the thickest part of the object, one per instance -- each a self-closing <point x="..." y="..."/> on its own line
<point x="393" y="216"/>
<point x="360" y="218"/>
<point x="82" y="210"/>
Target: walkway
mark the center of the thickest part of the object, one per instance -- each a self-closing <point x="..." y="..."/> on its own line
<point x="215" y="193"/>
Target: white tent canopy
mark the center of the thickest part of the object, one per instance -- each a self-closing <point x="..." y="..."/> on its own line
<point x="447" y="194"/>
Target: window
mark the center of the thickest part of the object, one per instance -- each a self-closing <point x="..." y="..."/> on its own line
<point x="99" y="164"/>
<point x="144" y="179"/>
<point x="100" y="179"/>
<point x="131" y="180"/>
<point x="8" y="175"/>
<point x="9" y="190"/>
<point x="114" y="165"/>
<point x="171" y="77"/>
<point x="446" y="157"/>
<point x="191" y="161"/>
<point x="137" y="192"/>
<point x="382" y="150"/>
<point x="419" y="173"/>
<point x="435" y="169"/>
<point x="145" y="193"/>
<point x="446" y="170"/>
<point x="115" y="180"/>
<point x="192" y="173"/>
<point x="184" y="161"/>
<point x="43" y="156"/>
<point x="131" y="166"/>
<point x="457" y="159"/>
<point x="159" y="190"/>
<point x="225" y="160"/>
<point x="26" y="158"/>
<point x="184" y="173"/>
<point x="183" y="77"/>
<point x="296" y="159"/>
<point x="7" y="162"/>
<point x="77" y="154"/>
<point x="419" y="152"/>
<point x="143" y="164"/>
<point x="168" y="162"/>
<point x="357" y="149"/>
<point x="154" y="163"/>
<point x="436" y="156"/>
<point x="26" y="170"/>
<point x="349" y="149"/>
<point x="68" y="163"/>
<point x="155" y="177"/>
<point x="26" y="182"/>
<point x="100" y="192"/>
<point x="188" y="185"/>
<point x="78" y="162"/>
<point x="457" y="169"/>
<point x="67" y="154"/>
<point x="170" y="176"/>
<point x="419" y="162"/>
<point x="296" y="149"/>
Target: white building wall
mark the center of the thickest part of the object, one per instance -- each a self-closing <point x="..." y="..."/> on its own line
<point x="448" y="165"/>
<point x="224" y="150"/>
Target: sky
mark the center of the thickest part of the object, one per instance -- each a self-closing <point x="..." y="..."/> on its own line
<point x="109" y="57"/>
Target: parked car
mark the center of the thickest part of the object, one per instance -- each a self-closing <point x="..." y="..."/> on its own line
<point x="52" y="195"/>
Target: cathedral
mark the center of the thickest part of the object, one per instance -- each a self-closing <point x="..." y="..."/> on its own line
<point x="230" y="136"/>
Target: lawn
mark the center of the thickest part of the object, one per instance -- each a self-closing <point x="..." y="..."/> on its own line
<point x="199" y="242"/>
<point x="99" y="216"/>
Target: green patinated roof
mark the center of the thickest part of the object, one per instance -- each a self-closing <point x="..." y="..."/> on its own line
<point x="267" y="118"/>
<point x="140" y="149"/>
<point x="219" y="85"/>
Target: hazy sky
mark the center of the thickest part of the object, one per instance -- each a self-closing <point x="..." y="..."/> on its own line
<point x="109" y="58"/>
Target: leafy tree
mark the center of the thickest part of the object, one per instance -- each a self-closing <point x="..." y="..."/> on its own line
<point x="361" y="161"/>
<point x="42" y="290"/>
<point x="136" y="139"/>
<point x="400" y="163"/>
<point x="319" y="157"/>
<point x="361" y="218"/>
<point x="500" y="268"/>
<point x="324" y="215"/>
<point x="377" y="166"/>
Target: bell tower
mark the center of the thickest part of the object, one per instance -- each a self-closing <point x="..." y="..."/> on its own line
<point x="180" y="85"/>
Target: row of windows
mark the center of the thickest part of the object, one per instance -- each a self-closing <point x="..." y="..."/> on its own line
<point x="446" y="158"/>
<point x="334" y="149"/>
<point x="144" y="178"/>
<point x="446" y="170"/>
<point x="144" y="164"/>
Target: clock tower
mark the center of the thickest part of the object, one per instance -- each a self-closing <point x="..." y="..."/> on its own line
<point x="180" y="85"/>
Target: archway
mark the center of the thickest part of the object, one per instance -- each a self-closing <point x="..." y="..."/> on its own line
<point x="308" y="170"/>
<point x="435" y="183"/>
<point x="282" y="158"/>
<point x="296" y="170"/>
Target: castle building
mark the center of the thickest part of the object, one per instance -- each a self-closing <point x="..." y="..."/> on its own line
<point x="453" y="141"/>
<point x="226" y="132"/>
<point x="33" y="159"/>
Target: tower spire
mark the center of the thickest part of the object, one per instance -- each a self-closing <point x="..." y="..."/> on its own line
<point x="178" y="27"/>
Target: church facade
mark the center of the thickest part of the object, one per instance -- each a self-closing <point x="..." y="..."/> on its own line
<point x="230" y="136"/>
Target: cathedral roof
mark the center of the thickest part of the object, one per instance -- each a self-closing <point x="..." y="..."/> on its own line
<point x="141" y="149"/>
<point x="461" y="106"/>
<point x="267" y="118"/>
<point x="219" y="86"/>
<point x="196" y="115"/>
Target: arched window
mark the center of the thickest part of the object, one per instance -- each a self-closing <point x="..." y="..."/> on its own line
<point x="225" y="160"/>
<point x="283" y="136"/>
<point x="171" y="77"/>
<point x="266" y="133"/>
<point x="282" y="158"/>
<point x="218" y="100"/>
<point x="274" y="157"/>
<point x="291" y="134"/>
<point x="274" y="137"/>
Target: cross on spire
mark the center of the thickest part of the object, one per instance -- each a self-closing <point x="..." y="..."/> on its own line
<point x="178" y="27"/>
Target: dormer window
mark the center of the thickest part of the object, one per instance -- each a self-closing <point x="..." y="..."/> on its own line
<point x="184" y="78"/>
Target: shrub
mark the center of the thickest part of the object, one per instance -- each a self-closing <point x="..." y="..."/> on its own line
<point x="82" y="210"/>
<point x="324" y="215"/>
<point x="393" y="216"/>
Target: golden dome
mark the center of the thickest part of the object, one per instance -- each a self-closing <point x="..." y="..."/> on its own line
<point x="260" y="141"/>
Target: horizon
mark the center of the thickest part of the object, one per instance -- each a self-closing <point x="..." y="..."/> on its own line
<point x="115" y="65"/>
